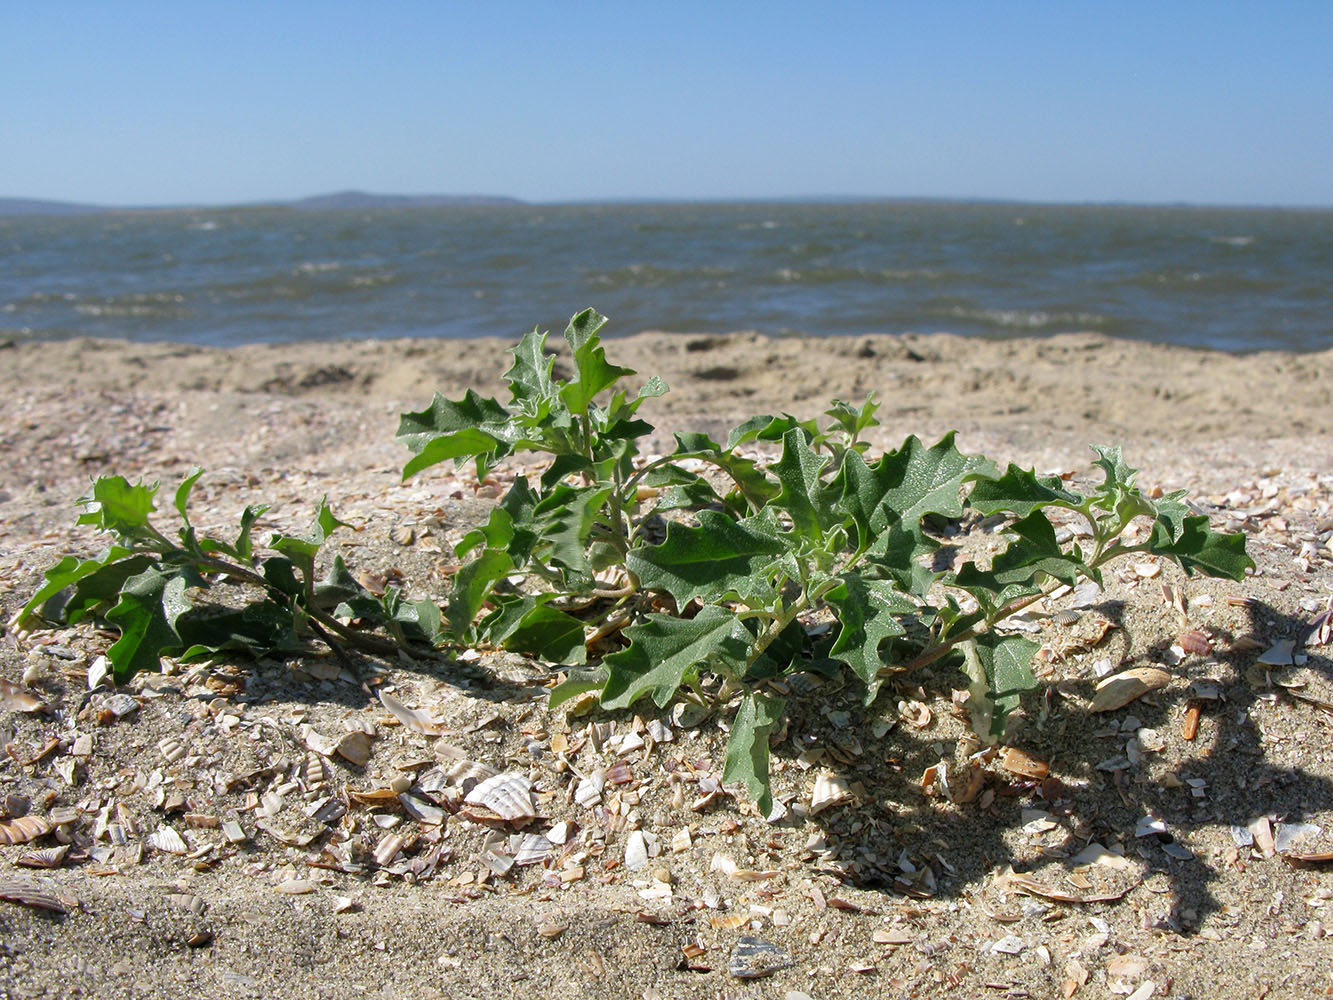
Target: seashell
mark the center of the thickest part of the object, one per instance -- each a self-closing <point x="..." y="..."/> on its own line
<point x="660" y="731"/>
<point x="728" y="921"/>
<point x="421" y="810"/>
<point x="1147" y="570"/>
<point x="19" y="889"/>
<point x="45" y="857"/>
<point x="682" y="841"/>
<point x="403" y="534"/>
<point x="636" y="851"/>
<point x="314" y="772"/>
<point x="629" y="743"/>
<point x="599" y="733"/>
<point x="619" y="773"/>
<point x="326" y="810"/>
<point x="165" y="839"/>
<point x="560" y="833"/>
<point x="354" y="747"/>
<point x="1279" y="654"/>
<point x="1120" y="689"/>
<point x="1150" y="740"/>
<point x="373" y="797"/>
<point x="296" y="887"/>
<point x="532" y="849"/>
<point x="411" y="760"/>
<point x="508" y="796"/>
<point x="498" y="862"/>
<point x="188" y="901"/>
<point x="317" y="742"/>
<point x="687" y="714"/>
<point x="551" y="931"/>
<point x="473" y="771"/>
<point x="1066" y="618"/>
<point x="589" y="790"/>
<point x="1195" y="642"/>
<point x="754" y="958"/>
<point x="411" y="718"/>
<point x="917" y="714"/>
<point x="830" y="790"/>
<point x="388" y="848"/>
<point x="1018" y="762"/>
<point x="233" y="831"/>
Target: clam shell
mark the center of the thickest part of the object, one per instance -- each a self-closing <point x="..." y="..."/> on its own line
<point x="354" y="747"/>
<point x="508" y="796"/>
<point x="532" y="849"/>
<point x="411" y="718"/>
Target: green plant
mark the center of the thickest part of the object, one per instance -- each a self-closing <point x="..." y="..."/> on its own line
<point x="702" y="562"/>
<point x="142" y="583"/>
<point x="755" y="554"/>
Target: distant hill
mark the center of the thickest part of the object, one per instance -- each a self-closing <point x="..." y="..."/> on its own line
<point x="35" y="206"/>
<point x="340" y="200"/>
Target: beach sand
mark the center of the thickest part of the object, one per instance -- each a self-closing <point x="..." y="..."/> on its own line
<point x="1251" y="437"/>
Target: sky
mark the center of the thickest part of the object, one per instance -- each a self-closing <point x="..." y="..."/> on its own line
<point x="197" y="102"/>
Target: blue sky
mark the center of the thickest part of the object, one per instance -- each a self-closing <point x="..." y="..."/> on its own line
<point x="199" y="102"/>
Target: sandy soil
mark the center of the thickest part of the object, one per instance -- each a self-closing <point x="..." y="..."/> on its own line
<point x="892" y="891"/>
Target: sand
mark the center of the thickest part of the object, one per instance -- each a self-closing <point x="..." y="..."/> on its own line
<point x="1251" y="437"/>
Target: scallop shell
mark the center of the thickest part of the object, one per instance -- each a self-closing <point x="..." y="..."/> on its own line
<point x="471" y="770"/>
<point x="45" y="857"/>
<point x="23" y="829"/>
<point x="165" y="839"/>
<point x="507" y="796"/>
<point x="830" y="790"/>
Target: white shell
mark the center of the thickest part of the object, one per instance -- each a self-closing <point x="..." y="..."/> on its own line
<point x="636" y="851"/>
<point x="589" y="791"/>
<point x="164" y="838"/>
<point x="532" y="849"/>
<point x="507" y="795"/>
<point x="830" y="790"/>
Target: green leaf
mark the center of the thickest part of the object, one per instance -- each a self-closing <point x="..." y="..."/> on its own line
<point x="663" y="651"/>
<point x="1014" y="572"/>
<point x="594" y="373"/>
<point x="1000" y="668"/>
<point x="473" y="427"/>
<point x="302" y="549"/>
<point x="1197" y="547"/>
<point x="117" y="506"/>
<point x="767" y="428"/>
<point x="747" y="746"/>
<point x="65" y="574"/>
<point x="578" y="682"/>
<point x="150" y="603"/>
<point x="183" y="494"/>
<point x="906" y="485"/>
<point x="529" y="377"/>
<point x="529" y="625"/>
<point x="719" y="557"/>
<point x="1022" y="491"/>
<point x="472" y="586"/>
<point x="868" y="611"/>
<point x="801" y="496"/>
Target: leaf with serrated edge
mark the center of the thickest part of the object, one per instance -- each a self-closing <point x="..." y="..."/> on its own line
<point x="1022" y="491"/>
<point x="118" y="506"/>
<point x="747" y="745"/>
<point x="149" y="605"/>
<point x="1013" y="572"/>
<point x="801" y="495"/>
<point x="663" y="650"/>
<point x="867" y="611"/>
<point x="719" y="557"/>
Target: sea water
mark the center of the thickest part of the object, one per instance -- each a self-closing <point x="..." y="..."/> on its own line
<point x="1235" y="279"/>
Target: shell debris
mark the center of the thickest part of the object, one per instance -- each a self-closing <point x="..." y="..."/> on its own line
<point x="1120" y="689"/>
<point x="507" y="797"/>
<point x="830" y="790"/>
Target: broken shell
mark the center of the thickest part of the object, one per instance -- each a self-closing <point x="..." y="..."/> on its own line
<point x="1019" y="762"/>
<point x="508" y="796"/>
<point x="754" y="958"/>
<point x="830" y="790"/>
<point x="532" y="849"/>
<point x="354" y="747"/>
<point x="14" y="699"/>
<point x="296" y="886"/>
<point x="915" y="713"/>
<point x="589" y="790"/>
<point x="636" y="851"/>
<point x="417" y="721"/>
<point x="619" y="773"/>
<point x="687" y="714"/>
<point x="44" y="857"/>
<point x="1279" y="654"/>
<point x="1119" y="690"/>
<point x="421" y="810"/>
<point x="1195" y="642"/>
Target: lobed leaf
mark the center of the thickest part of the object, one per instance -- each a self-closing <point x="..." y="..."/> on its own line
<point x="747" y="745"/>
<point x="663" y="651"/>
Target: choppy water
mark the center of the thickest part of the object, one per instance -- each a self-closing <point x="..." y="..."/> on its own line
<point x="1234" y="279"/>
